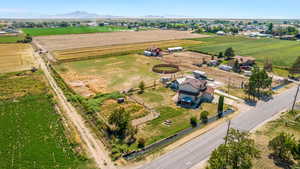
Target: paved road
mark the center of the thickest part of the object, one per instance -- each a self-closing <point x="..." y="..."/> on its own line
<point x="199" y="149"/>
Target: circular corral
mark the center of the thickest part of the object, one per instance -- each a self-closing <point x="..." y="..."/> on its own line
<point x="165" y="68"/>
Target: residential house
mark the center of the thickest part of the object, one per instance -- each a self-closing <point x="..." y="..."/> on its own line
<point x="245" y="60"/>
<point x="192" y="92"/>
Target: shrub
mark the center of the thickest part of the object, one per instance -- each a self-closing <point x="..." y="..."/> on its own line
<point x="141" y="143"/>
<point x="204" y="116"/>
<point x="193" y="121"/>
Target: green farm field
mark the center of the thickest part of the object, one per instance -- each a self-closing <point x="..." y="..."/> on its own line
<point x="282" y="53"/>
<point x="32" y="134"/>
<point x="70" y="30"/>
<point x="11" y="39"/>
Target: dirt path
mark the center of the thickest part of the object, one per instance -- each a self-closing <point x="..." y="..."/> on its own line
<point x="94" y="147"/>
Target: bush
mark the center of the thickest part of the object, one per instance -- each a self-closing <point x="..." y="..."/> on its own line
<point x="193" y="121"/>
<point x="204" y="116"/>
<point x="141" y="143"/>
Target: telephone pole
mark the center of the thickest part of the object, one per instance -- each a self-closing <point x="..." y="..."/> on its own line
<point x="295" y="99"/>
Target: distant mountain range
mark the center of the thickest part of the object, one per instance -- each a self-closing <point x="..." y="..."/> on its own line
<point x="81" y="15"/>
<point x="78" y="15"/>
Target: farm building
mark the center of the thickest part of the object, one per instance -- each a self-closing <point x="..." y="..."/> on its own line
<point x="199" y="74"/>
<point x="175" y="49"/>
<point x="192" y="92"/>
<point x="221" y="33"/>
<point x="153" y="52"/>
<point x="245" y="60"/>
<point x="225" y="67"/>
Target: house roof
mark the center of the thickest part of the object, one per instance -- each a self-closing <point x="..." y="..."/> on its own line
<point x="210" y="90"/>
<point x="198" y="84"/>
<point x="244" y="59"/>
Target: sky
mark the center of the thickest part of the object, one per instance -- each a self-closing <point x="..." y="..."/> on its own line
<point x="261" y="9"/>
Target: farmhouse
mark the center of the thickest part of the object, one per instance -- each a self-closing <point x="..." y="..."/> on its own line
<point x="192" y="92"/>
<point x="245" y="60"/>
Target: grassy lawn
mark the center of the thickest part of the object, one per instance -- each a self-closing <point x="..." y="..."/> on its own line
<point x="70" y="30"/>
<point x="237" y="92"/>
<point x="269" y="131"/>
<point x="32" y="135"/>
<point x="11" y="39"/>
<point x="115" y="72"/>
<point x="282" y="53"/>
<point x="136" y="111"/>
<point x="161" y="100"/>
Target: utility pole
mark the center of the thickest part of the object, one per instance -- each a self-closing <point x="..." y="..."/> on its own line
<point x="226" y="138"/>
<point x="295" y="99"/>
<point x="229" y="80"/>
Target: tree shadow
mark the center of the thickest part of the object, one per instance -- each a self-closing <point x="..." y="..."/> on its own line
<point x="280" y="162"/>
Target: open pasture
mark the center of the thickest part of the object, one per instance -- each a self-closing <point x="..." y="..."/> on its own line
<point x="281" y="52"/>
<point x="82" y="53"/>
<point x="71" y="30"/>
<point x="16" y="57"/>
<point x="107" y="74"/>
<point x="62" y="42"/>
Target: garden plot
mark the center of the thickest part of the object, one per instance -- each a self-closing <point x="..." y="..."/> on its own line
<point x="108" y="74"/>
<point x="16" y="57"/>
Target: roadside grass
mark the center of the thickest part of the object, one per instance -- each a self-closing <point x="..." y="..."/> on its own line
<point x="281" y="52"/>
<point x="234" y="91"/>
<point x="117" y="72"/>
<point x="32" y="134"/>
<point x="11" y="39"/>
<point x="270" y="130"/>
<point x="71" y="30"/>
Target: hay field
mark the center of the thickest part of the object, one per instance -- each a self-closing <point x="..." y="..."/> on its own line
<point x="74" y="54"/>
<point x="16" y="57"/>
<point x="62" y="42"/>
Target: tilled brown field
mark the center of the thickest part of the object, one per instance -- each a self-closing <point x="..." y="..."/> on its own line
<point x="62" y="42"/>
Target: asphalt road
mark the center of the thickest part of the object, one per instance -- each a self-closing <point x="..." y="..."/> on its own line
<point x="199" y="149"/>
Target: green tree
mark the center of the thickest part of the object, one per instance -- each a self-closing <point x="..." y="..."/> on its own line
<point x="236" y="66"/>
<point x="282" y="146"/>
<point x="204" y="116"/>
<point x="221" y="105"/>
<point x="220" y="55"/>
<point x="141" y="143"/>
<point x="193" y="121"/>
<point x="142" y="86"/>
<point x="270" y="28"/>
<point x="229" y="53"/>
<point x="295" y="68"/>
<point x="237" y="153"/>
<point x="120" y="119"/>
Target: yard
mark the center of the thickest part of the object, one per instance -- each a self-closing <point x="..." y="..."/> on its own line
<point x="161" y="100"/>
<point x="32" y="134"/>
<point x="71" y="30"/>
<point x="281" y="52"/>
<point x="108" y="74"/>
